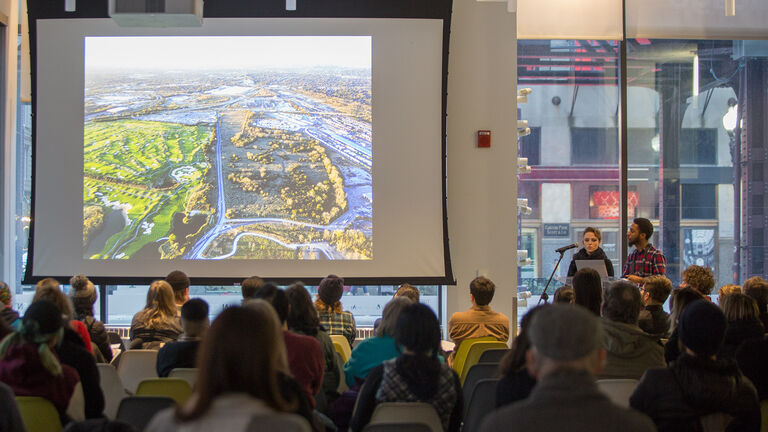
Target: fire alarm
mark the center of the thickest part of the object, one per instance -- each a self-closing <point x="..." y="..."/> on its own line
<point x="483" y="138"/>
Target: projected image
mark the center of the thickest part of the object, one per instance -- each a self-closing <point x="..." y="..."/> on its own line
<point x="228" y="148"/>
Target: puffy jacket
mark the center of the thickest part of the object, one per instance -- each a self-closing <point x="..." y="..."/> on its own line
<point x="630" y="351"/>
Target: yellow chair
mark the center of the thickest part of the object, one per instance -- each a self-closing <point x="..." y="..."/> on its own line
<point x="463" y="349"/>
<point x="38" y="414"/>
<point x="177" y="389"/>
<point x="764" y="415"/>
<point x="344" y="349"/>
<point x="475" y="351"/>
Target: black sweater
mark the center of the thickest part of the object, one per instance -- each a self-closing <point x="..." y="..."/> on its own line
<point x="583" y="255"/>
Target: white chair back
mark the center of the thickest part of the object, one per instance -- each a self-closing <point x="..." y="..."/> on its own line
<point x="715" y="422"/>
<point x="407" y="412"/>
<point x="618" y="390"/>
<point x="113" y="389"/>
<point x="187" y="374"/>
<point x="136" y="365"/>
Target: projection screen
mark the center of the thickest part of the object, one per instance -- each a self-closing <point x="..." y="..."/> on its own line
<point x="287" y="148"/>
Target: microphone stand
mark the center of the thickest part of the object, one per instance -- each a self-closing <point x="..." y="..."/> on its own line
<point x="544" y="297"/>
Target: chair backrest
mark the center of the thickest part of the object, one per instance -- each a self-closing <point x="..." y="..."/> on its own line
<point x="136" y="365"/>
<point x="476" y="373"/>
<point x="618" y="390"/>
<point x="340" y="368"/>
<point x="174" y="388"/>
<point x="38" y="414"/>
<point x="187" y="374"/>
<point x="407" y="412"/>
<point x="344" y="349"/>
<point x="463" y="349"/>
<point x="137" y="411"/>
<point x="493" y="355"/>
<point x="764" y="415"/>
<point x="715" y="422"/>
<point x="397" y="427"/>
<point x="113" y="389"/>
<point x="480" y="404"/>
<point x="76" y="407"/>
<point x="474" y="353"/>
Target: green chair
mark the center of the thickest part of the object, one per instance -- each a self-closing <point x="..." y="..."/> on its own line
<point x="764" y="415"/>
<point x="475" y="351"/>
<point x="177" y="389"/>
<point x="463" y="349"/>
<point x="38" y="414"/>
<point x="341" y="344"/>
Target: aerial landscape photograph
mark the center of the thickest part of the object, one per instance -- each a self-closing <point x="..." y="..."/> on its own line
<point x="228" y="147"/>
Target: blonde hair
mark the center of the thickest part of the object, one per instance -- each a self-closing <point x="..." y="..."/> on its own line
<point x="738" y="307"/>
<point x="49" y="289"/>
<point x="163" y="305"/>
<point x="726" y="290"/>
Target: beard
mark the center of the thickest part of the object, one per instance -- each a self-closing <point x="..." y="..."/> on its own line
<point x="633" y="242"/>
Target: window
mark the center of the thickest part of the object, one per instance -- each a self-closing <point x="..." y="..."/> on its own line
<point x="530" y="146"/>
<point x="698" y="146"/>
<point x="699" y="201"/>
<point x="594" y="146"/>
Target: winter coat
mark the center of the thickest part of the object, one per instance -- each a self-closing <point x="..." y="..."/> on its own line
<point x="630" y="351"/>
<point x="737" y="333"/>
<point x="596" y="255"/>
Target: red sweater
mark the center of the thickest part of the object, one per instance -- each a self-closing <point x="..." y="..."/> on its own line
<point x="305" y="359"/>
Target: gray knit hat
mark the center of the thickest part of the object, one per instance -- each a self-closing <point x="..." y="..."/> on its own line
<point x="330" y="289"/>
<point x="565" y="332"/>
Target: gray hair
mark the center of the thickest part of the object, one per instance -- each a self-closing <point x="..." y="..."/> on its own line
<point x="390" y="314"/>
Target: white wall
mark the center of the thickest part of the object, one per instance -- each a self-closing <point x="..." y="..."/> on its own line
<point x="482" y="183"/>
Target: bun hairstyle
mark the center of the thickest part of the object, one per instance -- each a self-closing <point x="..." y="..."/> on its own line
<point x="83" y="294"/>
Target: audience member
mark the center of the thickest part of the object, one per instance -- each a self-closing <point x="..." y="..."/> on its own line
<point x="644" y="260"/>
<point x="744" y="324"/>
<point x="653" y="320"/>
<point x="83" y="294"/>
<point x="588" y="290"/>
<point x="699" y="278"/>
<point x="180" y="283"/>
<point x="5" y="329"/>
<point x="630" y="350"/>
<point x="406" y="290"/>
<point x="49" y="289"/>
<point x="250" y="285"/>
<point x="242" y="373"/>
<point x="757" y="288"/>
<point x="303" y="320"/>
<point x="305" y="355"/>
<point x="7" y="314"/>
<point x="564" y="294"/>
<point x="28" y="363"/>
<point x="333" y="318"/>
<point x="516" y="381"/>
<point x="565" y="357"/>
<point x="374" y="351"/>
<point x="725" y="290"/>
<point x="681" y="298"/>
<point x="751" y="357"/>
<point x="11" y="420"/>
<point x="156" y="324"/>
<point x="696" y="384"/>
<point x="415" y="376"/>
<point x="182" y="353"/>
<point x="479" y="320"/>
<point x="71" y="351"/>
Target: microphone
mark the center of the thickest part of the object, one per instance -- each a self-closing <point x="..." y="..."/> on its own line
<point x="565" y="248"/>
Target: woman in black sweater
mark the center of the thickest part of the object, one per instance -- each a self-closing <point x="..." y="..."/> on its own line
<point x="591" y="251"/>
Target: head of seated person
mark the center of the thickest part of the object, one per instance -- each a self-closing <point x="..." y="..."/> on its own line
<point x="656" y="290"/>
<point x="49" y="289"/>
<point x="565" y="338"/>
<point x="699" y="278"/>
<point x="727" y="290"/>
<point x="588" y="290"/>
<point x="481" y="291"/>
<point x="83" y="295"/>
<point x="194" y="318"/>
<point x="302" y="316"/>
<point x="180" y="283"/>
<point x="249" y="286"/>
<point x="390" y="315"/>
<point x="242" y="353"/>
<point x="757" y="288"/>
<point x="329" y="294"/>
<point x="622" y="303"/>
<point x="564" y="294"/>
<point x="273" y="295"/>
<point x="409" y="291"/>
<point x="701" y="329"/>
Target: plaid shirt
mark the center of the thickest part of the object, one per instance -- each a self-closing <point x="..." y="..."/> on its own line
<point x="644" y="263"/>
<point x="339" y="324"/>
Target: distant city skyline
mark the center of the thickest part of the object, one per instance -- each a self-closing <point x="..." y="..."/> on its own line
<point x="105" y="53"/>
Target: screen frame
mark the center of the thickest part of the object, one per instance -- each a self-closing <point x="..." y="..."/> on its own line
<point x="423" y="9"/>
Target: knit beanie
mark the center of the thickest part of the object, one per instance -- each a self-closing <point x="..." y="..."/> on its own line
<point x="330" y="289"/>
<point x="701" y="327"/>
<point x="178" y="280"/>
<point x="565" y="332"/>
<point x="82" y="288"/>
<point x="5" y="295"/>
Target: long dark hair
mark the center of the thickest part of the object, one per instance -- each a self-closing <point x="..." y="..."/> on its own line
<point x="588" y="289"/>
<point x="418" y="331"/>
<point x="303" y="316"/>
<point x="514" y="359"/>
<point x="242" y="352"/>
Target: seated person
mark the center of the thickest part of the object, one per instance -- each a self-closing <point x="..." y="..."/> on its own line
<point x="696" y="384"/>
<point x="516" y="381"/>
<point x="564" y="294"/>
<point x="181" y="354"/>
<point x="241" y="376"/>
<point x="743" y="319"/>
<point x="679" y="300"/>
<point x="156" y="324"/>
<point x="10" y="316"/>
<point x="11" y="420"/>
<point x="305" y="355"/>
<point x="179" y="282"/>
<point x="588" y="290"/>
<point x="333" y="318"/>
<point x="699" y="278"/>
<point x="83" y="295"/>
<point x="565" y="357"/>
<point x="757" y="288"/>
<point x="479" y="320"/>
<point x="417" y="375"/>
<point x="630" y="351"/>
<point x="407" y="290"/>
<point x="751" y="357"/>
<point x="249" y="286"/>
<point x="655" y="291"/>
<point x="28" y="362"/>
